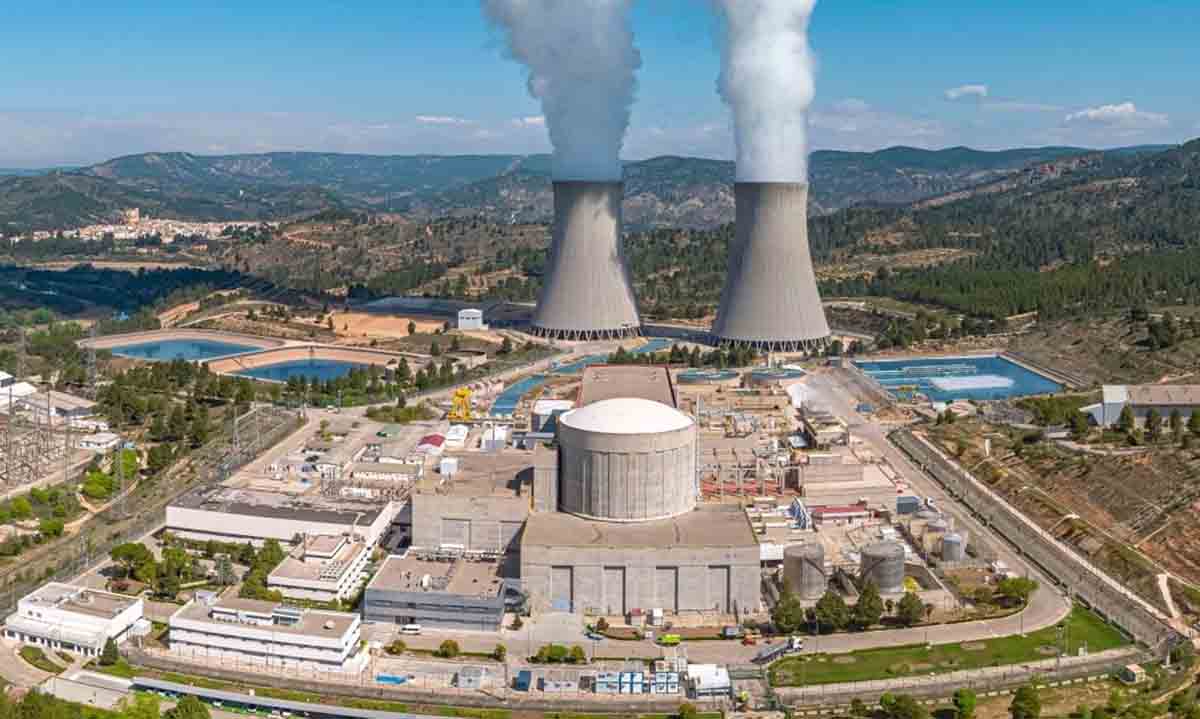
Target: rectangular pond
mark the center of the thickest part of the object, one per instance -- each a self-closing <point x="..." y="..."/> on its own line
<point x="310" y="369"/>
<point x="185" y="349"/>
<point x="945" y="379"/>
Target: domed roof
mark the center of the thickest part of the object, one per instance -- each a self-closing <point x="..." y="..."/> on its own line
<point x="626" y="415"/>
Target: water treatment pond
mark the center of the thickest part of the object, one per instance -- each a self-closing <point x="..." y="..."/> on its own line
<point x="945" y="379"/>
<point x="310" y="369"/>
<point x="184" y="349"/>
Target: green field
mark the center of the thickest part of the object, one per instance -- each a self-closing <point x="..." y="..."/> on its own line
<point x="38" y="658"/>
<point x="1085" y="628"/>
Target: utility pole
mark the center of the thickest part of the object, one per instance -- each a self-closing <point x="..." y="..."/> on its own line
<point x="91" y="362"/>
<point x="20" y="354"/>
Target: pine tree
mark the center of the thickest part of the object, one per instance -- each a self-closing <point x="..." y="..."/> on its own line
<point x="110" y="656"/>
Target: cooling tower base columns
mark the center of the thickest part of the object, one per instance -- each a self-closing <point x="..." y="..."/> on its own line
<point x="585" y="335"/>
<point x="770" y="300"/>
<point x="587" y="294"/>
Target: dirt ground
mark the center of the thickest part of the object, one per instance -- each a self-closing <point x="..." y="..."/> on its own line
<point x="360" y="324"/>
<point x="1058" y="702"/>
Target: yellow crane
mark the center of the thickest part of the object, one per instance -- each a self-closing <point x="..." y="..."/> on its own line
<point x="460" y="406"/>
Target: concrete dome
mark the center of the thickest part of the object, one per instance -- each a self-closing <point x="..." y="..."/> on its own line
<point x="626" y="415"/>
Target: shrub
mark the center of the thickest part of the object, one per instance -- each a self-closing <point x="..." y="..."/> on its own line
<point x="448" y="649"/>
<point x="396" y="647"/>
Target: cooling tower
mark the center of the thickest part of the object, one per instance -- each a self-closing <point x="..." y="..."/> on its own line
<point x="586" y="292"/>
<point x="770" y="300"/>
<point x="804" y="569"/>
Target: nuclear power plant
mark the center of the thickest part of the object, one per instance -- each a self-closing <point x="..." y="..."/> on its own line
<point x="770" y="300"/>
<point x="586" y="293"/>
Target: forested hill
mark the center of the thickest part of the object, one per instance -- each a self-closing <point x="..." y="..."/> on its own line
<point x="1123" y="232"/>
<point x="660" y="192"/>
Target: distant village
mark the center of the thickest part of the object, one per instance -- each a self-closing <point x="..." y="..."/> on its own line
<point x="135" y="226"/>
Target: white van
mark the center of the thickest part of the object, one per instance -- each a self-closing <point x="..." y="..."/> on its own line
<point x="410" y="629"/>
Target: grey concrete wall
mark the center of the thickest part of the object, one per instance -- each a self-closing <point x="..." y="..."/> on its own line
<point x="627" y="477"/>
<point x="701" y="584"/>
<point x="433" y="609"/>
<point x="490" y="521"/>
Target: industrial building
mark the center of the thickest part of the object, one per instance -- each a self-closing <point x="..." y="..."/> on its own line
<point x="322" y="568"/>
<point x="471" y="319"/>
<point x="439" y="590"/>
<point x="770" y="300"/>
<point x="586" y="291"/>
<point x="248" y="631"/>
<point x="480" y="508"/>
<point x="600" y="382"/>
<point x="1141" y="400"/>
<point x="240" y="515"/>
<point x="74" y="619"/>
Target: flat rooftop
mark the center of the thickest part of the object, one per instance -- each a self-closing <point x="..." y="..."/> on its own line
<point x="317" y="569"/>
<point x="481" y="474"/>
<point x="79" y="600"/>
<point x="276" y="505"/>
<point x="707" y="526"/>
<point x="460" y="576"/>
<point x="601" y="382"/>
<point x="1183" y="395"/>
<point x="313" y="622"/>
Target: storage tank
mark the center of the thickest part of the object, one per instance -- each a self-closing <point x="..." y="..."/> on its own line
<point x="883" y="563"/>
<point x="804" y="569"/>
<point x="954" y="549"/>
<point x="627" y="460"/>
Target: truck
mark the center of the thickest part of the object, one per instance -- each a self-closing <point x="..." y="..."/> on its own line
<point x="771" y="652"/>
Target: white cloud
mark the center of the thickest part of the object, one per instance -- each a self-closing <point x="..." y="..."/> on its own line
<point x="527" y="122"/>
<point x="1123" y="116"/>
<point x="442" y="120"/>
<point x="854" y="124"/>
<point x="966" y="91"/>
<point x="851" y="106"/>
<point x="1019" y="106"/>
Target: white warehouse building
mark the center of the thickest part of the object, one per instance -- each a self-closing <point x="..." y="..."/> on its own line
<point x="1141" y="399"/>
<point x="471" y="319"/>
<point x="74" y="619"/>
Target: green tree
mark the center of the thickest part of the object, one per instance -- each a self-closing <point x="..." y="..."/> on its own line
<point x="788" y="613"/>
<point x="435" y="349"/>
<point x="1079" y="425"/>
<point x="687" y="710"/>
<point x="188" y="707"/>
<point x="506" y="347"/>
<point x="910" y="610"/>
<point x="226" y="576"/>
<point x="142" y="705"/>
<point x="869" y="608"/>
<point x="130" y="556"/>
<point x="412" y="327"/>
<point x="51" y="527"/>
<point x="831" y="611"/>
<point x="21" y="509"/>
<point x="448" y="649"/>
<point x="1016" y="590"/>
<point x="110" y="655"/>
<point x="577" y="655"/>
<point x="1154" y="425"/>
<point x="1126" y="422"/>
<point x="1193" y="423"/>
<point x="964" y="703"/>
<point x="1176" y="424"/>
<point x="397" y="647"/>
<point x="500" y="652"/>
<point x="1026" y="704"/>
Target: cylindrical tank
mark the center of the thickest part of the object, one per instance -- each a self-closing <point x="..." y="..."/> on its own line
<point x="770" y="298"/>
<point x="586" y="291"/>
<point x="627" y="460"/>
<point x="954" y="549"/>
<point x="804" y="569"/>
<point x="883" y="563"/>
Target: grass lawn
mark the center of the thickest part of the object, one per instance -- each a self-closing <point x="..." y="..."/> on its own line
<point x="38" y="658"/>
<point x="911" y="660"/>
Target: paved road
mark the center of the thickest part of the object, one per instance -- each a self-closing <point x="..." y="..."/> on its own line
<point x="14" y="669"/>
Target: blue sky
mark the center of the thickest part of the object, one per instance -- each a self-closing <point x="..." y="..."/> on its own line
<point x="84" y="81"/>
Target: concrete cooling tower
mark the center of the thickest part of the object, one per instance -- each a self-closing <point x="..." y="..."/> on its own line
<point x="586" y="293"/>
<point x="770" y="300"/>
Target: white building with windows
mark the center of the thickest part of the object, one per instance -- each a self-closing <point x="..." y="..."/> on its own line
<point x="471" y="319"/>
<point x="229" y="629"/>
<point x="74" y="619"/>
<point x="99" y="442"/>
<point x="1141" y="400"/>
<point x="322" y="569"/>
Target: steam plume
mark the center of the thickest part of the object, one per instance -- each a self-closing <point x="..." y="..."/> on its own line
<point x="581" y="63"/>
<point x="767" y="78"/>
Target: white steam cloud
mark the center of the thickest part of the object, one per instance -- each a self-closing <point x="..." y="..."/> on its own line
<point x="581" y="63"/>
<point x="767" y="73"/>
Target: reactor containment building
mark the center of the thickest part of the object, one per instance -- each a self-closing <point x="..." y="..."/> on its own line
<point x="770" y="300"/>
<point x="586" y="293"/>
